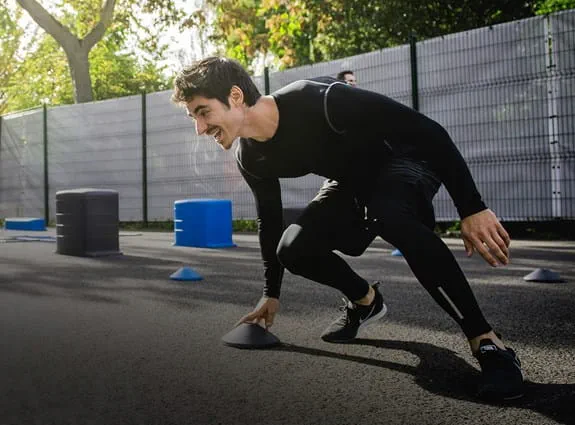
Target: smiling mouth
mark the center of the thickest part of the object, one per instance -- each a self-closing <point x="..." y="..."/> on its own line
<point x="217" y="134"/>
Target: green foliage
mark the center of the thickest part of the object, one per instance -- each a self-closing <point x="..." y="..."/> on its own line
<point x="244" y="226"/>
<point x="162" y="226"/>
<point x="42" y="76"/>
<point x="298" y="32"/>
<point x="550" y="6"/>
<point x="10" y="42"/>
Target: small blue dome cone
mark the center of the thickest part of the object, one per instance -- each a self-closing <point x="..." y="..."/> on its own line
<point x="396" y="253"/>
<point x="185" y="273"/>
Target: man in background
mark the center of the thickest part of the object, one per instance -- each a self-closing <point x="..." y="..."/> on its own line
<point x="347" y="77"/>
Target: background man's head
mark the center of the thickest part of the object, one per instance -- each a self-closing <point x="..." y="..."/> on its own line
<point x="213" y="78"/>
<point x="347" y="77"/>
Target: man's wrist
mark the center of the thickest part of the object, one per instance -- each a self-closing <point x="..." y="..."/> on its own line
<point x="271" y="293"/>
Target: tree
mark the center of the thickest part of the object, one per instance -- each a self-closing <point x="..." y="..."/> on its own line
<point x="92" y="20"/>
<point x="43" y="75"/>
<point x="77" y="49"/>
<point x="38" y="72"/>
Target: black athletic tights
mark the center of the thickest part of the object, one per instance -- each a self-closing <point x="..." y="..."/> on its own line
<point x="401" y="213"/>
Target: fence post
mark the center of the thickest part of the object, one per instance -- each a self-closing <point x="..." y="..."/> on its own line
<point x="46" y="181"/>
<point x="144" y="163"/>
<point x="413" y="61"/>
<point x="553" y="96"/>
<point x="267" y="80"/>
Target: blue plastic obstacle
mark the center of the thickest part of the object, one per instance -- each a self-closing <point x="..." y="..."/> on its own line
<point x="25" y="223"/>
<point x="203" y="223"/>
<point x="396" y="253"/>
<point x="185" y="274"/>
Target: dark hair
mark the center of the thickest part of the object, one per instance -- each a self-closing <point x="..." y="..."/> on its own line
<point x="341" y="75"/>
<point x="214" y="77"/>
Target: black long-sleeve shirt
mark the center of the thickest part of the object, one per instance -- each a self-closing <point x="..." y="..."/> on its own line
<point x="347" y="134"/>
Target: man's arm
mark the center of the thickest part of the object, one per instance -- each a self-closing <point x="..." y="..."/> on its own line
<point x="267" y="195"/>
<point x="361" y="115"/>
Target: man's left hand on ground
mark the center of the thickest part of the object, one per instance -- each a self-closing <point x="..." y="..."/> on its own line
<point x="482" y="232"/>
<point x="265" y="311"/>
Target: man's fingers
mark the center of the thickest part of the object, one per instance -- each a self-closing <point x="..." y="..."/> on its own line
<point x="496" y="250"/>
<point x="269" y="320"/>
<point x="247" y="318"/>
<point x="497" y="238"/>
<point x="503" y="234"/>
<point x="492" y="251"/>
<point x="468" y="247"/>
<point x="484" y="252"/>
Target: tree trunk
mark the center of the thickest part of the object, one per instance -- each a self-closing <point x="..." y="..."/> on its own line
<point x="80" y="72"/>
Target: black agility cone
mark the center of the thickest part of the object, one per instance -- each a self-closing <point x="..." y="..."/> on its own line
<point x="543" y="275"/>
<point x="250" y="335"/>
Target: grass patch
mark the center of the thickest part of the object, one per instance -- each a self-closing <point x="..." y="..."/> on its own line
<point x="245" y="226"/>
<point x="159" y="226"/>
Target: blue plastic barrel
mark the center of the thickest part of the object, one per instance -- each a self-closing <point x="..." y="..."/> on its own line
<point x="203" y="223"/>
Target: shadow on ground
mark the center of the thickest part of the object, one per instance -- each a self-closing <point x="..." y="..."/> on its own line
<point x="442" y="372"/>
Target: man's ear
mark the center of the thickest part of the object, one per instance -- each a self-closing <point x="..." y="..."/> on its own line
<point x="236" y="96"/>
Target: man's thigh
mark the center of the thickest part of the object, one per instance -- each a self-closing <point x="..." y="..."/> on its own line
<point x="406" y="190"/>
<point x="336" y="221"/>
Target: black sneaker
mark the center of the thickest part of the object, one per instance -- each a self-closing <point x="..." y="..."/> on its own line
<point x="501" y="377"/>
<point x="355" y="316"/>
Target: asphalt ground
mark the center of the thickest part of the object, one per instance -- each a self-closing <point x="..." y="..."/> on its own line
<point x="113" y="340"/>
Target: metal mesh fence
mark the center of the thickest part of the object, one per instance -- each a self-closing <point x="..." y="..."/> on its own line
<point x="98" y="145"/>
<point x="488" y="88"/>
<point x="22" y="165"/>
<point x="504" y="93"/>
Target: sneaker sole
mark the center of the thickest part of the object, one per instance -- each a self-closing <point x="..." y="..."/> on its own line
<point x="369" y="321"/>
<point x="372" y="319"/>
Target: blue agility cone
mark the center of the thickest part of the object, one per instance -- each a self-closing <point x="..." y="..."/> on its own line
<point x="396" y="253"/>
<point x="185" y="273"/>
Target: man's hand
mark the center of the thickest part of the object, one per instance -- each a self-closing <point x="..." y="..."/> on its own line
<point x="265" y="310"/>
<point x="482" y="232"/>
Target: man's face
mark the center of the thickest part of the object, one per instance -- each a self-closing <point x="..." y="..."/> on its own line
<point x="350" y="79"/>
<point x="215" y="119"/>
